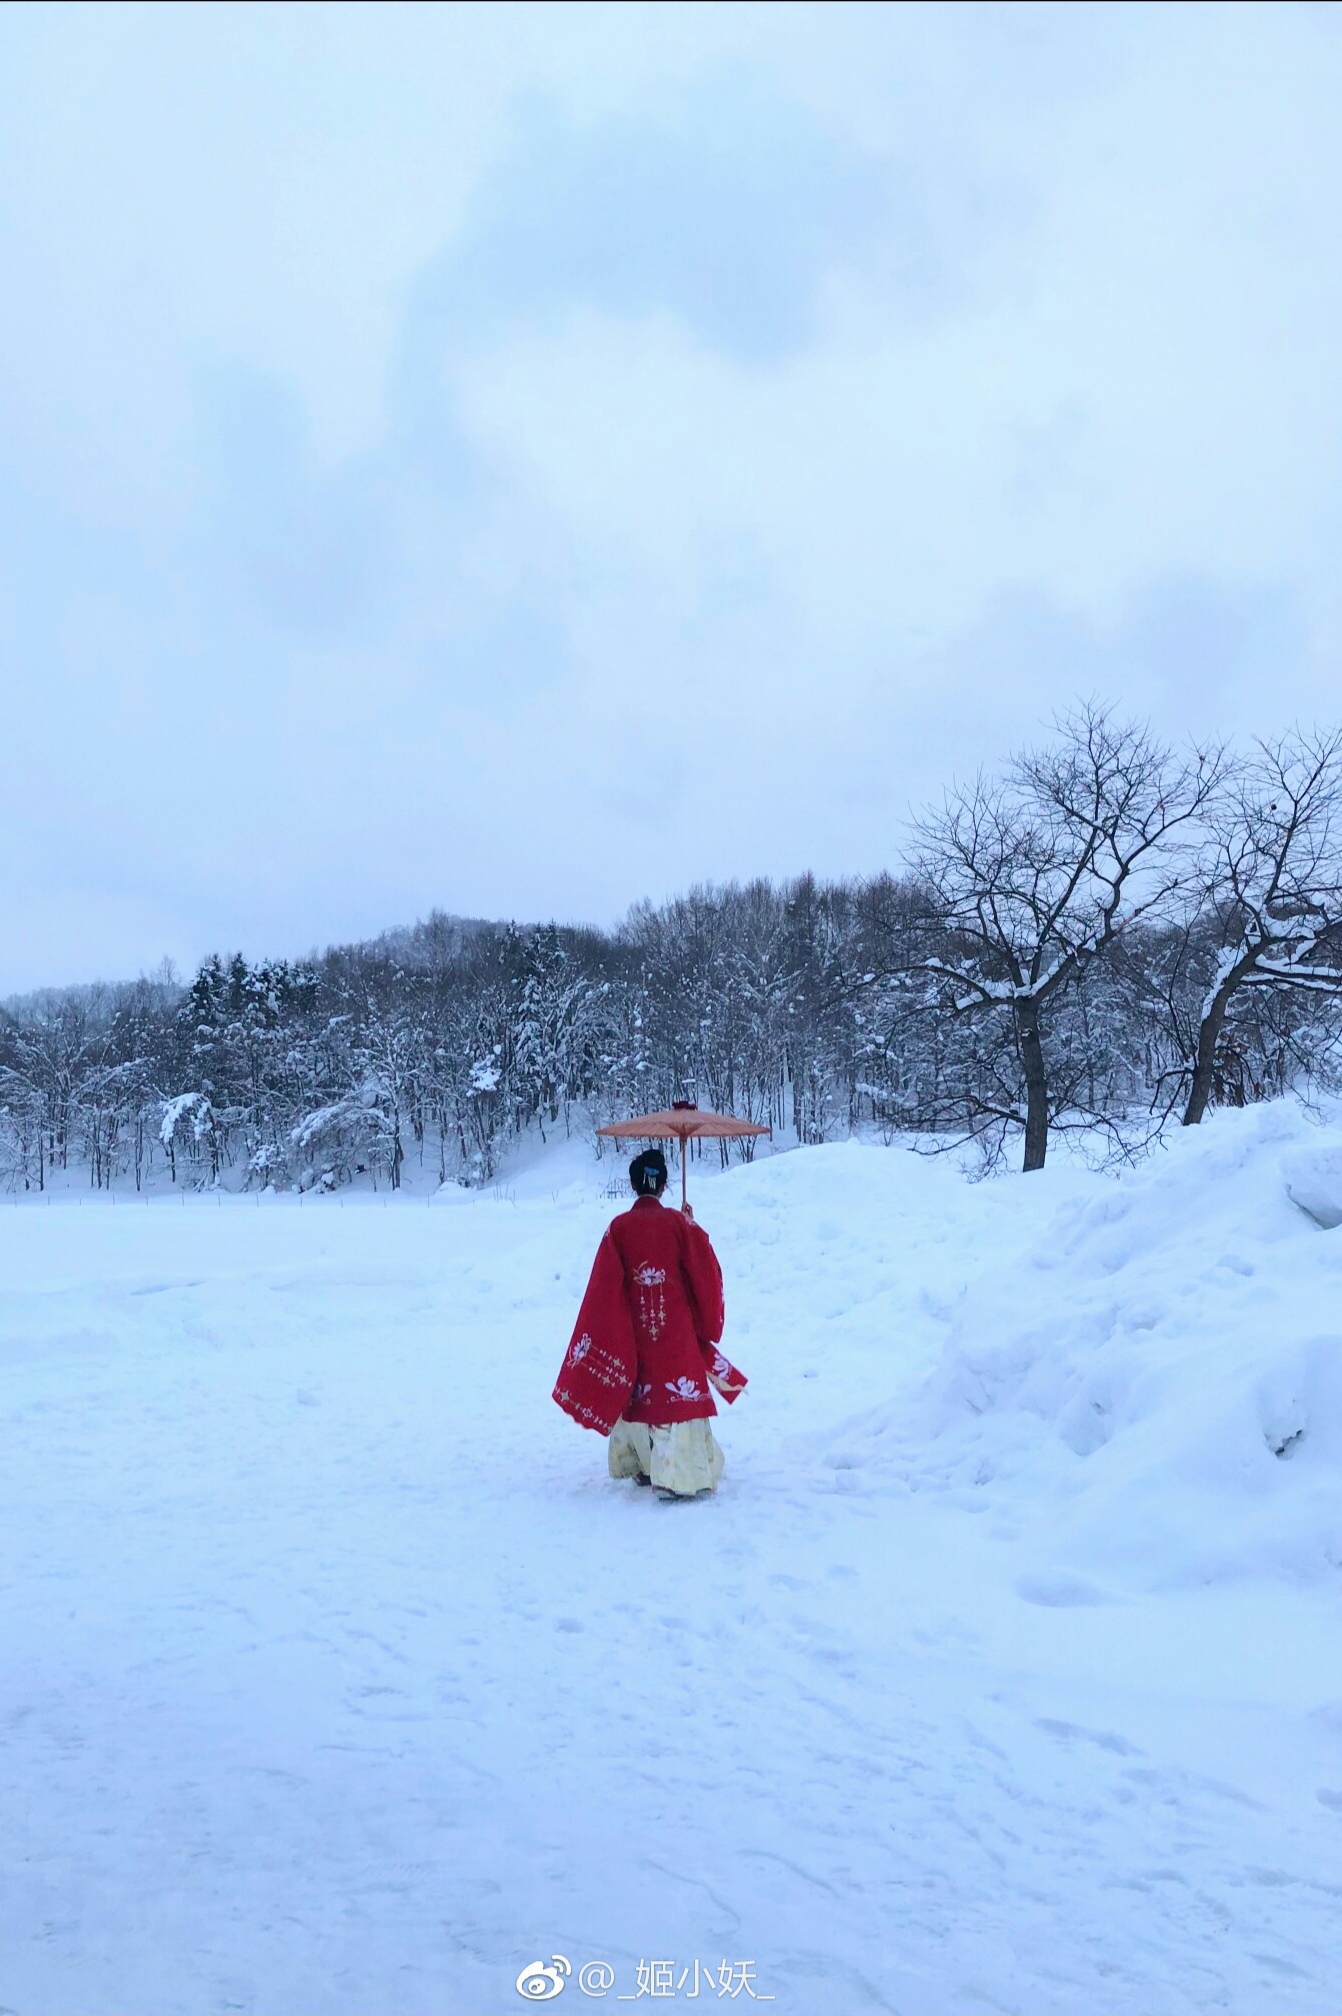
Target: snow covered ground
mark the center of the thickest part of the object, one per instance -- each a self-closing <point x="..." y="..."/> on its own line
<point x="1004" y="1673"/>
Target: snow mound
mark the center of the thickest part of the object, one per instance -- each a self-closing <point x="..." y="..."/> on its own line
<point x="1152" y="1386"/>
<point x="1314" y="1182"/>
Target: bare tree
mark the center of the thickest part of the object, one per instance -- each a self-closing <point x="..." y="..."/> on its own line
<point x="1035" y="875"/>
<point x="1271" y="892"/>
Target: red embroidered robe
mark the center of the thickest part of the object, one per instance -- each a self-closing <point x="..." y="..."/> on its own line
<point x="645" y="1343"/>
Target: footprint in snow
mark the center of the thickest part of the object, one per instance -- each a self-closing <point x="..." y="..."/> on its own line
<point x="1105" y="1738"/>
<point x="1059" y="1592"/>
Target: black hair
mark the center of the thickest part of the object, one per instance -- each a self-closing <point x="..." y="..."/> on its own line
<point x="647" y="1172"/>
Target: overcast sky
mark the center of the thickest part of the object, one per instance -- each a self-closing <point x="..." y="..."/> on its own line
<point x="518" y="460"/>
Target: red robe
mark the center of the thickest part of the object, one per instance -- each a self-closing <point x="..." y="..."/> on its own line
<point x="645" y="1343"/>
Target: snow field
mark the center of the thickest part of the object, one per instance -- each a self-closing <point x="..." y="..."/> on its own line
<point x="1002" y="1674"/>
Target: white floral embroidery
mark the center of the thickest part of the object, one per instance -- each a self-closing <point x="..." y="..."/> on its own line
<point x="650" y="1282"/>
<point x="721" y="1366"/>
<point x="607" y="1368"/>
<point x="683" y="1389"/>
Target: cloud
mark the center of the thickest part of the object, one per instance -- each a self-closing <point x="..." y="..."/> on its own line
<point x="308" y="549"/>
<point x="437" y="435"/>
<point x="725" y="208"/>
<point x="1198" y="657"/>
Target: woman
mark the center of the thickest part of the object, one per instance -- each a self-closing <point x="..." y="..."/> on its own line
<point x="644" y="1354"/>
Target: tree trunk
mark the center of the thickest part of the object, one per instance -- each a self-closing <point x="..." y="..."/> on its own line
<point x="1036" y="1084"/>
<point x="1204" y="1058"/>
<point x="1209" y="1035"/>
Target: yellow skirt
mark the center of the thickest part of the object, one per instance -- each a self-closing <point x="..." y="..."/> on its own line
<point x="680" y="1461"/>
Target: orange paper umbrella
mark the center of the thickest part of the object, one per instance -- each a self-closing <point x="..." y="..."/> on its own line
<point x="682" y="1121"/>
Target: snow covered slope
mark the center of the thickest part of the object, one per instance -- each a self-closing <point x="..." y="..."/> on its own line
<point x="1003" y="1673"/>
<point x="1155" y="1386"/>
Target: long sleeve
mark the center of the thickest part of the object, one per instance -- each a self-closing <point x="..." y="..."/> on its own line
<point x="726" y="1379"/>
<point x="601" y="1363"/>
<point x="703" y="1278"/>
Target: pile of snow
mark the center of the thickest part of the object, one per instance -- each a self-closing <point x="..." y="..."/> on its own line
<point x="1314" y="1182"/>
<point x="1155" y="1382"/>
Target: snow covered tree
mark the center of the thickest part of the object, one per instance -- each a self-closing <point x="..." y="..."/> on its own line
<point x="1269" y="911"/>
<point x="1034" y="876"/>
<point x="554" y="1031"/>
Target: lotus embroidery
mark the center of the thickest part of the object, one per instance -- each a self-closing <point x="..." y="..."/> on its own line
<point x="650" y="1282"/>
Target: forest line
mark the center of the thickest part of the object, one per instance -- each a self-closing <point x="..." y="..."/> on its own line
<point x="1107" y="935"/>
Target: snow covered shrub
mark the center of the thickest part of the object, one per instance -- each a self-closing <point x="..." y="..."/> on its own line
<point x="189" y="1128"/>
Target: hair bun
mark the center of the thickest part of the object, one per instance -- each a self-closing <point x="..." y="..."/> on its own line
<point x="647" y="1172"/>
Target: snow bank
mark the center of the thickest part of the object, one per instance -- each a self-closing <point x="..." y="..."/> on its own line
<point x="1153" y="1384"/>
<point x="1314" y="1182"/>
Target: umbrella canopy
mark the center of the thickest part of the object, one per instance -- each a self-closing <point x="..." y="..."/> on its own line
<point x="683" y="1122"/>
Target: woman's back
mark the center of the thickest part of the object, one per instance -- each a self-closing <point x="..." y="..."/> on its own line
<point x="673" y="1287"/>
